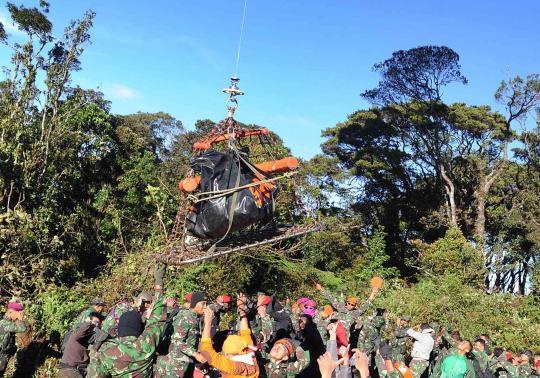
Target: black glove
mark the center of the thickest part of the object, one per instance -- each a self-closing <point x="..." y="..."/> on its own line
<point x="159" y="272"/>
<point x="386" y="351"/>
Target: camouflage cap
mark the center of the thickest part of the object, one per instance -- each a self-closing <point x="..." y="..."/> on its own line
<point x="98" y="302"/>
<point x="407" y="318"/>
<point x="145" y="296"/>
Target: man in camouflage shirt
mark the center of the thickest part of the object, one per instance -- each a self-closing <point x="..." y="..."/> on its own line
<point x="286" y="359"/>
<point x="479" y="352"/>
<point x="11" y="324"/>
<point x="140" y="303"/>
<point x="182" y="354"/>
<point x="97" y="305"/>
<point x="132" y="354"/>
<point x="524" y="369"/>
<point x="500" y="366"/>
<point x="369" y="331"/>
<point x="348" y="312"/>
<point x="400" y="339"/>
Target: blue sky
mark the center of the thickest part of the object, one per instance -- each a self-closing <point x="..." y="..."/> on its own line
<point x="303" y="63"/>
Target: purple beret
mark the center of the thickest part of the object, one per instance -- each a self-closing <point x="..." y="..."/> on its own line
<point x="15" y="306"/>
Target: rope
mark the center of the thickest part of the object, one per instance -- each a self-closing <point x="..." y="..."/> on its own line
<point x="240" y="40"/>
<point x="221" y="193"/>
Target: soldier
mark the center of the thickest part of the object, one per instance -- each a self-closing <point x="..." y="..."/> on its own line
<point x="75" y="356"/>
<point x="500" y="366"/>
<point x="132" y="354"/>
<point x="182" y="354"/>
<point x="323" y="319"/>
<point x="400" y="339"/>
<point x="262" y="324"/>
<point x="524" y="368"/>
<point x="479" y="352"/>
<point x="141" y="303"/>
<point x="348" y="312"/>
<point x="97" y="305"/>
<point x="369" y="330"/>
<point x="285" y="359"/>
<point x="457" y="365"/>
<point x="423" y="345"/>
<point x="11" y="324"/>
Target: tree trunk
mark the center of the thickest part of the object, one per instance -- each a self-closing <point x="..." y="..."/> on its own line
<point x="451" y="198"/>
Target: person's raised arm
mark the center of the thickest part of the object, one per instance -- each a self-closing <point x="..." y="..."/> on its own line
<point x="327" y="365"/>
<point x="361" y="310"/>
<point x="335" y="302"/>
<point x="241" y="304"/>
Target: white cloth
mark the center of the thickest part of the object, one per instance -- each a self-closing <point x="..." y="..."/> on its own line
<point x="423" y="344"/>
<point x="245" y="358"/>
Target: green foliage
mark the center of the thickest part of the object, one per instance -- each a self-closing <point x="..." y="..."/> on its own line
<point x="453" y="256"/>
<point x="374" y="262"/>
<point x="510" y="322"/>
<point x="54" y="310"/>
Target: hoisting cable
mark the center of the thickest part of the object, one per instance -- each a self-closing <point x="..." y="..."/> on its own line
<point x="240" y="40"/>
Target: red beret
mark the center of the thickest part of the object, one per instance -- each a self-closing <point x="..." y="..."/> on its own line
<point x="266" y="301"/>
<point x="188" y="297"/>
<point x="226" y="298"/>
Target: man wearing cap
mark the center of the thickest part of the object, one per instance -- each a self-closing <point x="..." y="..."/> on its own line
<point x="524" y="368"/>
<point x="141" y="303"/>
<point x="421" y="352"/>
<point x="182" y="354"/>
<point x="323" y="318"/>
<point x="500" y="366"/>
<point x="285" y="359"/>
<point x="12" y="323"/>
<point x="133" y="352"/>
<point x="237" y="358"/>
<point x="400" y="339"/>
<point x="97" y="305"/>
<point x="348" y="312"/>
<point x="75" y="355"/>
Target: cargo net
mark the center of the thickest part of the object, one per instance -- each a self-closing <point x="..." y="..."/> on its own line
<point x="229" y="196"/>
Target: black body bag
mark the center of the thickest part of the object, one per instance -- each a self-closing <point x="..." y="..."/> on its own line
<point x="210" y="219"/>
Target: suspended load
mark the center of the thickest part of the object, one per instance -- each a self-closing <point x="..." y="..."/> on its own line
<point x="230" y="193"/>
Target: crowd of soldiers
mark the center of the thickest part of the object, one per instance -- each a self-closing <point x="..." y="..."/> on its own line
<point x="154" y="336"/>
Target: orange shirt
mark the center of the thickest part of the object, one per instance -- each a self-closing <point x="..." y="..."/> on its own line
<point x="227" y="367"/>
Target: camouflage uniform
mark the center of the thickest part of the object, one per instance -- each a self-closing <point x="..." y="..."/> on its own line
<point x="130" y="356"/>
<point x="418" y="367"/>
<point x="322" y="326"/>
<point x="524" y="370"/>
<point x="348" y="318"/>
<point x="262" y="328"/>
<point x="8" y="329"/>
<point x="287" y="369"/>
<point x="81" y="319"/>
<point x="502" y="368"/>
<point x="110" y="324"/>
<point x="399" y="343"/>
<point x="482" y="359"/>
<point x="184" y="342"/>
<point x="369" y="333"/>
